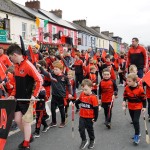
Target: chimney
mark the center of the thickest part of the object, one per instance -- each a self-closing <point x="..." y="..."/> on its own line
<point x="105" y="33"/>
<point x="96" y="28"/>
<point x="80" y="22"/>
<point x="111" y="34"/>
<point x="33" y="4"/>
<point x="57" y="12"/>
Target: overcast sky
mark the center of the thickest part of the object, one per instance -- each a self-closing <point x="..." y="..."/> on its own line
<point x="126" y="18"/>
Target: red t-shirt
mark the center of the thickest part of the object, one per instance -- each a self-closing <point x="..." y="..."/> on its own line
<point x="87" y="104"/>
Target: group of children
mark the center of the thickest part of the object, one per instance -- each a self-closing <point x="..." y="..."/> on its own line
<point x="62" y="81"/>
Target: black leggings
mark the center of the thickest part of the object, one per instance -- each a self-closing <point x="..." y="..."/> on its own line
<point x="135" y="116"/>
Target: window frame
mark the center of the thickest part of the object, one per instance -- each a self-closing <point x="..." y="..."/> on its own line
<point x="54" y="27"/>
<point x="25" y="31"/>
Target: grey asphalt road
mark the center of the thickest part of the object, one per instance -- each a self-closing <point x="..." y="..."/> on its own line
<point x="117" y="138"/>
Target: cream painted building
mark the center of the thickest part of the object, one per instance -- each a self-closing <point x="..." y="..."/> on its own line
<point x="16" y="22"/>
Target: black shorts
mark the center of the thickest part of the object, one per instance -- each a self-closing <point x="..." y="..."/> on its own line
<point x="22" y="106"/>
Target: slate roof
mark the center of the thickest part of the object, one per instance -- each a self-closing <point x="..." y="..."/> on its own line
<point x="56" y="19"/>
<point x="9" y="7"/>
<point x="94" y="32"/>
<point x="80" y="28"/>
<point x="100" y="35"/>
<point x="33" y="13"/>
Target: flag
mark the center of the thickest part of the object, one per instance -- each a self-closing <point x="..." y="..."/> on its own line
<point x="32" y="55"/>
<point x="41" y="23"/>
<point x="146" y="78"/>
<point x="45" y="23"/>
<point x="111" y="50"/>
<point x="103" y="54"/>
<point x="116" y="55"/>
<point x="86" y="56"/>
<point x="22" y="46"/>
<point x="2" y="71"/>
<point x="63" y="39"/>
<point x="6" y="117"/>
<point x="37" y="22"/>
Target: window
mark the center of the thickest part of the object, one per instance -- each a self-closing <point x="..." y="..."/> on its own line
<point x="54" y="32"/>
<point x="33" y="30"/>
<point x="85" y="40"/>
<point x="45" y="30"/>
<point x="82" y="43"/>
<point x="91" y="42"/>
<point x="24" y="30"/>
<point x="66" y="32"/>
<point x="72" y="36"/>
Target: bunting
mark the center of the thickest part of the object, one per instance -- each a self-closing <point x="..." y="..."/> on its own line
<point x="31" y="54"/>
<point x="146" y="78"/>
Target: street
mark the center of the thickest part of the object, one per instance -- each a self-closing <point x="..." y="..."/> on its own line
<point x="117" y="138"/>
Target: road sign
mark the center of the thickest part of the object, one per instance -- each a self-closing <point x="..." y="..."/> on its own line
<point x="3" y="36"/>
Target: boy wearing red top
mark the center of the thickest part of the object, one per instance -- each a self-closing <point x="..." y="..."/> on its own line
<point x="107" y="93"/>
<point x="134" y="95"/>
<point x="88" y="113"/>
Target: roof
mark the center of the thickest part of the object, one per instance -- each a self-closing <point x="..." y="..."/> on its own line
<point x="56" y="19"/>
<point x="94" y="32"/>
<point x="9" y="7"/>
<point x="80" y="28"/>
<point x="33" y="12"/>
<point x="108" y="37"/>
